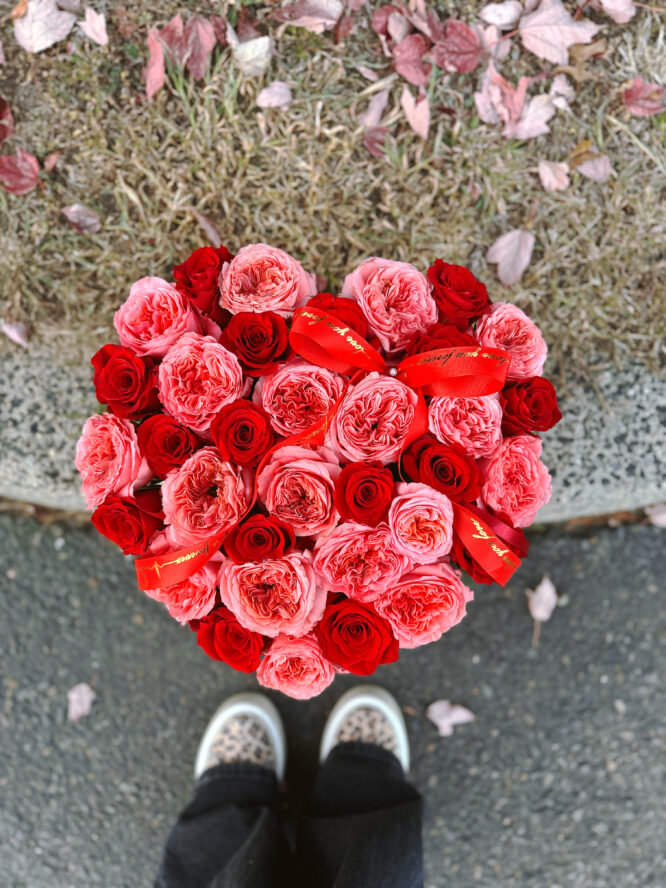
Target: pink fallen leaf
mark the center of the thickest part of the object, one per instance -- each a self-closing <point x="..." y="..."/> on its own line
<point x="416" y="112"/>
<point x="380" y="17"/>
<point x="208" y="227"/>
<point x="533" y="120"/>
<point x="6" y="120"/>
<point x="598" y="169"/>
<point x="19" y="173"/>
<point x="657" y="515"/>
<point x="85" y="220"/>
<point x="446" y="715"/>
<point x="16" y="331"/>
<point x="512" y="253"/>
<point x="79" y="701"/>
<point x="397" y="27"/>
<point x="408" y="59"/>
<point x="542" y="600"/>
<point x="313" y="15"/>
<point x="199" y="39"/>
<point x="3" y="60"/>
<point x="368" y="73"/>
<point x="425" y="20"/>
<point x="276" y="95"/>
<point x="252" y="57"/>
<point x="493" y="43"/>
<point x="375" y="109"/>
<point x="498" y="100"/>
<point x="504" y="15"/>
<point x="220" y="27"/>
<point x="561" y="92"/>
<point x="172" y="38"/>
<point x="154" y="73"/>
<point x="621" y="11"/>
<point x="554" y="176"/>
<point x="94" y="27"/>
<point x="460" y="50"/>
<point x="374" y="139"/>
<point x="550" y="30"/>
<point x="51" y="161"/>
<point x="42" y="25"/>
<point x="644" y="99"/>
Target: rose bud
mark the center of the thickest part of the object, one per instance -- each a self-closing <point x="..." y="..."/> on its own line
<point x="198" y="277"/>
<point x="130" y="522"/>
<point x="439" y="336"/>
<point x="125" y="381"/>
<point x="458" y="294"/>
<point x="260" y="341"/>
<point x="352" y="635"/>
<point x="165" y="443"/>
<point x="529" y="406"/>
<point x="222" y="637"/>
<point x="363" y="492"/>
<point x="345" y="310"/>
<point x="261" y="536"/>
<point x="242" y="432"/>
<point x="445" y="467"/>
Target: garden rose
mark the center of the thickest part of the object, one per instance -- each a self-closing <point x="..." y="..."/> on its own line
<point x="259" y="537"/>
<point x="125" y="381"/>
<point x="274" y="596"/>
<point x="297" y="486"/>
<point x="197" y="278"/>
<point x="438" y="336"/>
<point x="205" y="497"/>
<point x="108" y="459"/>
<point x="363" y="492"/>
<point x="529" y="406"/>
<point x="505" y="326"/>
<point x="222" y="637"/>
<point x="296" y="667"/>
<point x="458" y="294"/>
<point x="395" y="298"/>
<point x="242" y="432"/>
<point x="446" y="467"/>
<point x="263" y="278"/>
<point x="425" y="604"/>
<point x="373" y="419"/>
<point x="197" y="378"/>
<point x="353" y="636"/>
<point x="165" y="443"/>
<point x="192" y="598"/>
<point x="130" y="522"/>
<point x="362" y="562"/>
<point x="473" y="423"/>
<point x="345" y="310"/>
<point x="517" y="482"/>
<point x="421" y="523"/>
<point x="155" y="316"/>
<point x="260" y="340"/>
<point x="297" y="395"/>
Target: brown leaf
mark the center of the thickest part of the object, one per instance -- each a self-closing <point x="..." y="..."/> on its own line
<point x="208" y="227"/>
<point x="640" y="98"/>
<point x="408" y="59"/>
<point x="6" y="120"/>
<point x="19" y="173"/>
<point x="460" y="50"/>
<point x="579" y="54"/>
<point x="85" y="220"/>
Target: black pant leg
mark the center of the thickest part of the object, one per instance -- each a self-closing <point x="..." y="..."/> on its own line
<point x="229" y="836"/>
<point x="362" y="826"/>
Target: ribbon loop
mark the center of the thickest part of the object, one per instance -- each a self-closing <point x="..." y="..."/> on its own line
<point x="156" y="571"/>
<point x="458" y="372"/>
<point x="325" y="341"/>
<point x="487" y="549"/>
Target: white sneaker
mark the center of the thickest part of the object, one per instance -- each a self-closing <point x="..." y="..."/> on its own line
<point x="246" y="728"/>
<point x="368" y="714"/>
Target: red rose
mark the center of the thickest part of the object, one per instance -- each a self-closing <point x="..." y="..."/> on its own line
<point x="438" y="336"/>
<point x="458" y="294"/>
<point x="260" y="341"/>
<point x="223" y="638"/>
<point x="445" y="467"/>
<point x="352" y="635"/>
<point x="529" y="406"/>
<point x="261" y="536"/>
<point x="363" y="492"/>
<point x="346" y="311"/>
<point x="165" y="443"/>
<point x="130" y="522"/>
<point x="125" y="381"/>
<point x="242" y="432"/>
<point x="197" y="278"/>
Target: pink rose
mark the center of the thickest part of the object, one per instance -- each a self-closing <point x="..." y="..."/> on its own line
<point x="373" y="419"/>
<point x="108" y="459"/>
<point x="517" y="482"/>
<point x="421" y="522"/>
<point x="192" y="598"/>
<point x="155" y="316"/>
<point x="506" y="326"/>
<point x="362" y="562"/>
<point x="296" y="667"/>
<point x="297" y="486"/>
<point x="473" y="423"/>
<point x="197" y="378"/>
<point x="395" y="298"/>
<point x="297" y="395"/>
<point x="263" y="278"/>
<point x="205" y="497"/>
<point x="275" y="595"/>
<point x="425" y="604"/>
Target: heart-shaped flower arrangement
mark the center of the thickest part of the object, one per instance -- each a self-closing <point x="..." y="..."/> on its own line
<point x="305" y="475"/>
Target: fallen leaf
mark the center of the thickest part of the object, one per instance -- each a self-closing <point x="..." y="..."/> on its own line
<point x="172" y="39"/>
<point x="580" y="54"/>
<point x="446" y="715"/>
<point x="208" y="227"/>
<point x="276" y="95"/>
<point x="42" y="25"/>
<point x="554" y="176"/>
<point x="6" y="120"/>
<point x="424" y="20"/>
<point x="375" y="109"/>
<point x="374" y="139"/>
<point x="408" y="59"/>
<point x="3" y="60"/>
<point x="85" y="220"/>
<point x="499" y="100"/>
<point x="51" y="161"/>
<point x="504" y="15"/>
<point x="642" y="99"/>
<point x="200" y="41"/>
<point x="79" y="701"/>
<point x="154" y="73"/>
<point x="19" y="173"/>
<point x="19" y="10"/>
<point x="17" y="332"/>
<point x="550" y="30"/>
<point x="368" y="73"/>
<point x="94" y="27"/>
<point x="460" y="50"/>
<point x="533" y="120"/>
<point x="493" y="43"/>
<point x="70" y="5"/>
<point x="313" y="15"/>
<point x="397" y="26"/>
<point x="621" y="11"/>
<point x="657" y="514"/>
<point x="252" y="57"/>
<point x="220" y="27"/>
<point x="416" y="112"/>
<point x="542" y="600"/>
<point x="561" y="92"/>
<point x="512" y="253"/>
<point x="379" y="19"/>
<point x="598" y="168"/>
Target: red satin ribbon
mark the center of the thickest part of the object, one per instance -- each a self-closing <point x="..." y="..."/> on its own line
<point x="485" y="547"/>
<point x="157" y="571"/>
<point x="325" y="341"/>
<point x="459" y="372"/>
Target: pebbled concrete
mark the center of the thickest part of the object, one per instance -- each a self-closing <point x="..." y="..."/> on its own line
<point x="558" y="783"/>
<point x="607" y="454"/>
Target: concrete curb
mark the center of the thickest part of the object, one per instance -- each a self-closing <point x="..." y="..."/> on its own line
<point x="607" y="454"/>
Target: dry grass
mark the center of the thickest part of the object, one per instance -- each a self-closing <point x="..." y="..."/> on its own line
<point x="302" y="180"/>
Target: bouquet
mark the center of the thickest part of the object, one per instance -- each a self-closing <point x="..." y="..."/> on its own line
<point x="306" y="477"/>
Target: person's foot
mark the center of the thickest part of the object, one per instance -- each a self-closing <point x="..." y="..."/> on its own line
<point x="246" y="728"/>
<point x="367" y="714"/>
